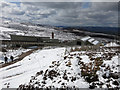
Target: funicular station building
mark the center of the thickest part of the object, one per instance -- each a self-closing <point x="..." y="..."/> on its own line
<point x="20" y="40"/>
<point x="26" y="41"/>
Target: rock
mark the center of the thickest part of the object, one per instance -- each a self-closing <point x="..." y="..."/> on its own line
<point x="36" y="82"/>
<point x="108" y="85"/>
<point x="69" y="63"/>
<point x="92" y="86"/>
<point x="100" y="83"/>
<point x="103" y="65"/>
<point x="104" y="76"/>
<point x="114" y="75"/>
<point x="115" y="83"/>
<point x="53" y="62"/>
<point x="79" y="58"/>
<point x="118" y="66"/>
<point x="51" y="66"/>
<point x="43" y="82"/>
<point x="39" y="73"/>
<point x="44" y="78"/>
<point x="91" y="78"/>
<point x="73" y="79"/>
<point x="59" y="81"/>
<point x="65" y="57"/>
<point x="30" y="81"/>
<point x="46" y="72"/>
<point x="52" y="74"/>
<point x="108" y="80"/>
<point x="63" y="84"/>
<point x="65" y="77"/>
<point x="33" y="77"/>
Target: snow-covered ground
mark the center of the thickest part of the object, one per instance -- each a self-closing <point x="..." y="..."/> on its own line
<point x="60" y="68"/>
<point x="12" y="52"/>
<point x="23" y="70"/>
<point x="4" y="33"/>
<point x="112" y="44"/>
<point x="29" y="30"/>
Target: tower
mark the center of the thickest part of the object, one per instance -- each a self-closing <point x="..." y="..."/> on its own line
<point x="52" y="35"/>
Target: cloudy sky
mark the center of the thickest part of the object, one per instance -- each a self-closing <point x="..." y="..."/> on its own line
<point x="62" y="13"/>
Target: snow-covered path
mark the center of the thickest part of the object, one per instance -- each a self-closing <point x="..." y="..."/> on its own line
<point x="21" y="72"/>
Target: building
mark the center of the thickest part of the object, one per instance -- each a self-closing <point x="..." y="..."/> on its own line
<point x="26" y="41"/>
<point x="87" y="40"/>
<point x="28" y="38"/>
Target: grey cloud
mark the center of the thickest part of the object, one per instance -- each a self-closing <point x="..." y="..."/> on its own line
<point x="4" y="4"/>
<point x="17" y="12"/>
<point x="106" y="6"/>
<point x="67" y="13"/>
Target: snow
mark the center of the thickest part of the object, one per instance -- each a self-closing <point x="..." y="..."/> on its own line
<point x="24" y="70"/>
<point x="37" y="61"/>
<point x="6" y="29"/>
<point x="86" y="38"/>
<point x="12" y="52"/>
<point x="5" y="33"/>
<point x="92" y="39"/>
<point x="41" y="31"/>
<point x="95" y="42"/>
<point x="85" y="59"/>
<point x="112" y="62"/>
<point x="111" y="44"/>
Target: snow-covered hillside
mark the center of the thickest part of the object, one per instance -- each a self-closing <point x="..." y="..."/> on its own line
<point x="30" y="30"/>
<point x="61" y="67"/>
<point x="23" y="70"/>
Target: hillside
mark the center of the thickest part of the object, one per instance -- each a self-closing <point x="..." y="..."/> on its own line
<point x="62" y="68"/>
<point x="59" y="67"/>
<point x="33" y="30"/>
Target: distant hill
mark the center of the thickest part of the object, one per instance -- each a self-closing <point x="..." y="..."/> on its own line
<point x="106" y="30"/>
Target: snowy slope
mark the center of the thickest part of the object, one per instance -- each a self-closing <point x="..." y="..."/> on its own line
<point x="4" y="32"/>
<point x="23" y="70"/>
<point x="60" y="68"/>
<point x="12" y="52"/>
<point x="111" y="44"/>
<point x="30" y="30"/>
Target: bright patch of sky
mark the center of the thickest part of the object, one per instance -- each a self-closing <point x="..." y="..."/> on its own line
<point x="86" y="5"/>
<point x="17" y="3"/>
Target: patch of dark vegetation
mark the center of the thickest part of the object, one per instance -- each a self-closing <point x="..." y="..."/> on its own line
<point x="92" y="86"/>
<point x="52" y="74"/>
<point x="116" y="83"/>
<point x="39" y="73"/>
